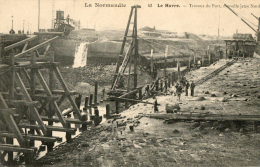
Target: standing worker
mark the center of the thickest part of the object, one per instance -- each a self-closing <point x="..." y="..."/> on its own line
<point x="156" y="106"/>
<point x="192" y="87"/>
<point x="179" y="91"/>
<point x="187" y="85"/>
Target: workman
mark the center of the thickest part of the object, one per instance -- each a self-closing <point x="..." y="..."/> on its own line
<point x="179" y="91"/>
<point x="156" y="106"/>
<point x="192" y="87"/>
<point x="187" y="85"/>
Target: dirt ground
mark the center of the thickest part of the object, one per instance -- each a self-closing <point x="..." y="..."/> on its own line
<point x="154" y="143"/>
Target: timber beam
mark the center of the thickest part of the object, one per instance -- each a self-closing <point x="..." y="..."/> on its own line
<point x="59" y="92"/>
<point x="37" y="65"/>
<point x="31" y="137"/>
<point x="13" y="148"/>
<point x="130" y="100"/>
<point x="56" y="119"/>
<point x="36" y="47"/>
<point x="23" y="102"/>
<point x="51" y="128"/>
<point x="20" y="43"/>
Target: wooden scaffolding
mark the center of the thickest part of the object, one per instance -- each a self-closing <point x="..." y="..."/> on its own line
<point x="30" y="98"/>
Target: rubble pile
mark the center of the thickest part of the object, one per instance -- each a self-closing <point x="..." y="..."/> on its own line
<point x="89" y="74"/>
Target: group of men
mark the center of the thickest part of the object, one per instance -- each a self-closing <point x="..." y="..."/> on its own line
<point x="184" y="83"/>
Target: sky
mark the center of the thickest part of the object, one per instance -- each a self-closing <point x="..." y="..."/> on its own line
<point x="183" y="19"/>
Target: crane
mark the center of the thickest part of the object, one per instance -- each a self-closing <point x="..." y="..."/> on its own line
<point x="241" y="18"/>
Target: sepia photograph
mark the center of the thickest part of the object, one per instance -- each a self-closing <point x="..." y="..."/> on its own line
<point x="129" y="83"/>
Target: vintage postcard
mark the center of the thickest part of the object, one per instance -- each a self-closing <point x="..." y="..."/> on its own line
<point x="129" y="83"/>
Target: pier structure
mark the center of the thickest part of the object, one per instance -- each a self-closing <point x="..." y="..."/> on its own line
<point x="32" y="90"/>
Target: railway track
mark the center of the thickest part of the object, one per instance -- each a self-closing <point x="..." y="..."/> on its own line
<point x="214" y="73"/>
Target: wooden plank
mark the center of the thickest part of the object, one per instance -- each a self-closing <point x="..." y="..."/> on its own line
<point x="55" y="119"/>
<point x="25" y="46"/>
<point x="31" y="137"/>
<point x="59" y="92"/>
<point x="12" y="79"/>
<point x="19" y="95"/>
<point x="23" y="102"/>
<point x="131" y="92"/>
<point x="19" y="43"/>
<point x="52" y="128"/>
<point x="36" y="47"/>
<point x="68" y="111"/>
<point x="13" y="148"/>
<point x="132" y="100"/>
<point x="48" y="91"/>
<point x="37" y="65"/>
<point x="47" y="49"/>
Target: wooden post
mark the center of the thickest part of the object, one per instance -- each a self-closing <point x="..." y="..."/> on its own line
<point x="90" y="104"/>
<point x="129" y="75"/>
<point x="179" y="70"/>
<point x="140" y="95"/>
<point x="136" y="54"/>
<point x="161" y="85"/>
<point x="117" y="107"/>
<point x="103" y="94"/>
<point x="202" y="61"/>
<point x="68" y="134"/>
<point x="12" y="77"/>
<point x="11" y="97"/>
<point x="96" y="111"/>
<point x="32" y="86"/>
<point x="86" y="103"/>
<point x="51" y="107"/>
<point x="107" y="111"/>
<point x="169" y="80"/>
<point x="157" y="85"/>
<point x="96" y="93"/>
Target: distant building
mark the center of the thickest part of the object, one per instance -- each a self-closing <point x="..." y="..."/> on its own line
<point x="241" y="45"/>
<point x="239" y="36"/>
<point x="152" y="32"/>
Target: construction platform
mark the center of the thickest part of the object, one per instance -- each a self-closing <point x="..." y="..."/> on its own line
<point x="32" y="90"/>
